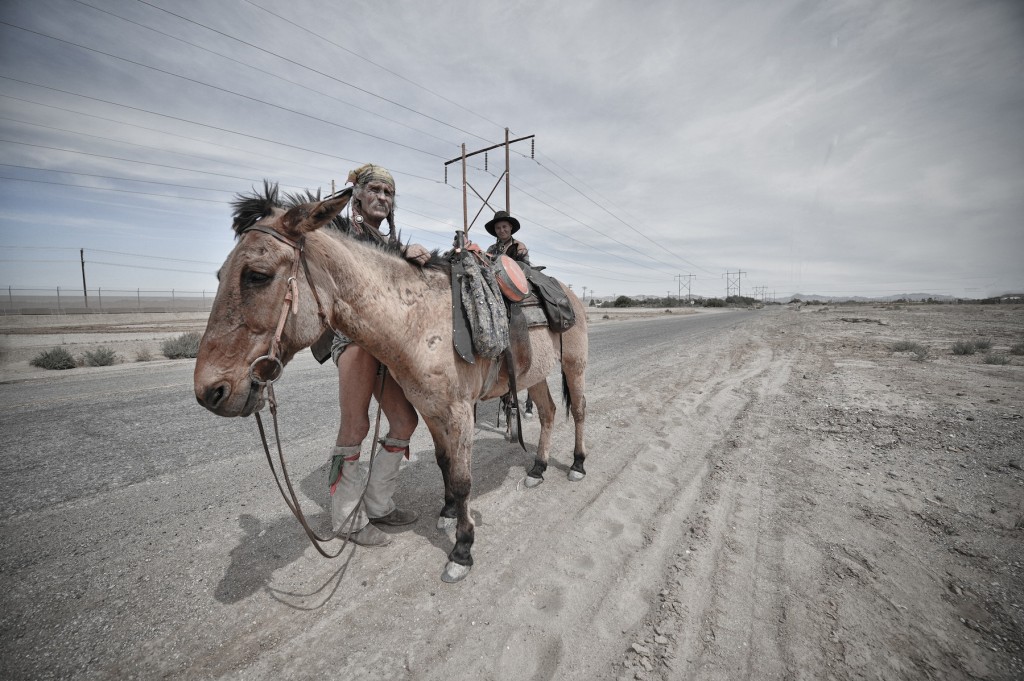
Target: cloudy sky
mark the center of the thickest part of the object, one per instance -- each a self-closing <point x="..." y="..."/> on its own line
<point x="839" y="147"/>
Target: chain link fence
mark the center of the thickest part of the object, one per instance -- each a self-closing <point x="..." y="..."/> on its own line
<point x="24" y="301"/>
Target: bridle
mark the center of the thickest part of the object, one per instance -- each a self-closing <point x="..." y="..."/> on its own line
<point x="289" y="307"/>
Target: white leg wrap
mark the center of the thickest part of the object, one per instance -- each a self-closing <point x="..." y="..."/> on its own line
<point x="384" y="479"/>
<point x="345" y="518"/>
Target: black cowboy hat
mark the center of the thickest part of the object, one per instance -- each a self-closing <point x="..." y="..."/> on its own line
<point x="502" y="215"/>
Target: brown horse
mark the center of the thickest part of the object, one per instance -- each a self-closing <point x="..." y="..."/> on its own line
<point x="401" y="313"/>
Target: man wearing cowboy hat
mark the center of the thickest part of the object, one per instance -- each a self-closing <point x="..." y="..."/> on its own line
<point x="503" y="226"/>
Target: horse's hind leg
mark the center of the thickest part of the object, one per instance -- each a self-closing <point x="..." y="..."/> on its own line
<point x="573" y="386"/>
<point x="446" y="519"/>
<point x="546" y="411"/>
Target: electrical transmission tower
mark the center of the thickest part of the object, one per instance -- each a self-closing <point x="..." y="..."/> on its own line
<point x="689" y="278"/>
<point x="732" y="282"/>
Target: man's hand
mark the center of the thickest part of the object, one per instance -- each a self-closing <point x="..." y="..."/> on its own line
<point x="417" y="254"/>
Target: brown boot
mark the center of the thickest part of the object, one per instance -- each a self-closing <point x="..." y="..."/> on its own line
<point x="368" y="536"/>
<point x="397" y="518"/>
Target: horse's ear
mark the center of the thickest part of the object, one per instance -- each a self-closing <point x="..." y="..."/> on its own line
<point x="310" y="217"/>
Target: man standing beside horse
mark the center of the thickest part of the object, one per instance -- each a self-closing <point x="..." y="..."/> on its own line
<point x="354" y="512"/>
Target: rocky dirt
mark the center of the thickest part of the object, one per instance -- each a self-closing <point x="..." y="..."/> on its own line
<point x="865" y="518"/>
<point x="789" y="500"/>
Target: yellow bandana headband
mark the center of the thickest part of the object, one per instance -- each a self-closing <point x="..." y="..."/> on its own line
<point x="369" y="173"/>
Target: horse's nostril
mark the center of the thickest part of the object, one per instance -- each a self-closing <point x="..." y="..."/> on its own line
<point x="215" y="395"/>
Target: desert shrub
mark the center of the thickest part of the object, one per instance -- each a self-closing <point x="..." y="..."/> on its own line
<point x="996" y="358"/>
<point x="144" y="355"/>
<point x="100" y="357"/>
<point x="714" y="302"/>
<point x="184" y="346"/>
<point x="54" y="358"/>
<point x="983" y="344"/>
<point x="920" y="351"/>
<point x="904" y="346"/>
<point x="1017" y="349"/>
<point x="963" y="348"/>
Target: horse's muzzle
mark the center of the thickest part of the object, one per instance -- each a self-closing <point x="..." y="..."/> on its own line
<point x="222" y="401"/>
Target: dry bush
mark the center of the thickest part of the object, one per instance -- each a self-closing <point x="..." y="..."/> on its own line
<point x="963" y="348"/>
<point x="54" y="358"/>
<point x="180" y="347"/>
<point x="920" y="351"/>
<point x="100" y="357"/>
<point x="1000" y="358"/>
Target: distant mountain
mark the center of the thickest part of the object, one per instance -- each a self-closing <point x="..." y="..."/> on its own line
<point x="915" y="297"/>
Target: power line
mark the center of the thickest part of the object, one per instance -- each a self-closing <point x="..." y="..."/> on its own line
<point x="111" y="264"/>
<point x="127" y="160"/>
<point x="148" y="267"/>
<point x="300" y="113"/>
<point x="308" y="68"/>
<point x="100" y="250"/>
<point x="109" y="189"/>
<point x="267" y="73"/>
<point x="204" y="125"/>
<point x="121" y="179"/>
<point x="249" y="179"/>
<point x="173" y="134"/>
<point x="379" y="66"/>
<point x="588" y="198"/>
<point x="119" y="141"/>
<point x="231" y="92"/>
<point x="646" y="255"/>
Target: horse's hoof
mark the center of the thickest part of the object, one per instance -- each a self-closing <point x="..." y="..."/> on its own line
<point x="445" y="523"/>
<point x="453" y="572"/>
<point x="576" y="476"/>
<point x="533" y="482"/>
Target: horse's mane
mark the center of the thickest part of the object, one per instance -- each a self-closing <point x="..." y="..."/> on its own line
<point x="250" y="208"/>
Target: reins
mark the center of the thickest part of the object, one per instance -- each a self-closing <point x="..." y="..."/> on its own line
<point x="291" y="307"/>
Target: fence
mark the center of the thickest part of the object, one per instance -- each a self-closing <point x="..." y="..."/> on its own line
<point x="101" y="300"/>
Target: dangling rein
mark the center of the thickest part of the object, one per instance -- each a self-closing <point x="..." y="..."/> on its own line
<point x="290" y="307"/>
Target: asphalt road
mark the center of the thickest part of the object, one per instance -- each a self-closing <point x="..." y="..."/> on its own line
<point x="123" y="501"/>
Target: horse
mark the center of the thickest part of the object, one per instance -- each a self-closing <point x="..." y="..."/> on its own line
<point x="399" y="312"/>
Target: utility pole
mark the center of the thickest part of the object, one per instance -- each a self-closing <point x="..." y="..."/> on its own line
<point x="85" y="291"/>
<point x="584" y="295"/>
<point x="466" y="186"/>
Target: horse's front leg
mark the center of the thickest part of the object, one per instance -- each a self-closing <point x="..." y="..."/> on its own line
<point x="546" y="409"/>
<point x="453" y="449"/>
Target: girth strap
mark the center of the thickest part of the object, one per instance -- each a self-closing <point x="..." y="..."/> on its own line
<point x="510" y="367"/>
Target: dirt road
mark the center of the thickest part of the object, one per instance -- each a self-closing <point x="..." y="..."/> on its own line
<point x="778" y="497"/>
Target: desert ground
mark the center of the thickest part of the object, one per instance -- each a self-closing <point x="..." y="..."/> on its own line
<point x="784" y="498"/>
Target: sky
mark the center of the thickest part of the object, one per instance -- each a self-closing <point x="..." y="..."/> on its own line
<point x="777" y="147"/>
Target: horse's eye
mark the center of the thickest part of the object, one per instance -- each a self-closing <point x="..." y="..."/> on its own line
<point x="256" y="278"/>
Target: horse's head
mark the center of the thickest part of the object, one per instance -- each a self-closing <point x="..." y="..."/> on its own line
<point x="251" y="300"/>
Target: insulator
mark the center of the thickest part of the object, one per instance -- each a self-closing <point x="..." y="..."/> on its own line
<point x="532" y="142"/>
